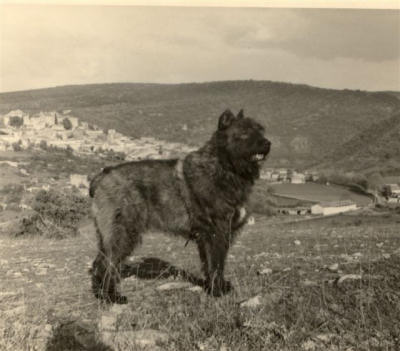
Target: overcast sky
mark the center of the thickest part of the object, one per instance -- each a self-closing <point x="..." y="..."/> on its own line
<point x="44" y="46"/>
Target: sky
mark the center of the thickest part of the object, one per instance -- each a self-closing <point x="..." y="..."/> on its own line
<point x="45" y="46"/>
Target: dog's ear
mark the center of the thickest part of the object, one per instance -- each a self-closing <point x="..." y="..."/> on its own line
<point x="226" y="119"/>
<point x="240" y="114"/>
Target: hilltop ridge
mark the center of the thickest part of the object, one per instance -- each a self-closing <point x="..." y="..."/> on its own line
<point x="306" y="124"/>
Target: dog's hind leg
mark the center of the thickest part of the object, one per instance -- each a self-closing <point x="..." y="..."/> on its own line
<point x="113" y="249"/>
<point x="204" y="258"/>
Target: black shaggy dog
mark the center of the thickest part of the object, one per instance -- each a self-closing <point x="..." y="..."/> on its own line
<point x="200" y="198"/>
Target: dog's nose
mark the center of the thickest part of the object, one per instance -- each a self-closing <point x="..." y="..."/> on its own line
<point x="267" y="144"/>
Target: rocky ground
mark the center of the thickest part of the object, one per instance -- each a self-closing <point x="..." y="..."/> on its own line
<point x="329" y="284"/>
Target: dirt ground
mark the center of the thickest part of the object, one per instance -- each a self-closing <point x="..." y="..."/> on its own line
<point x="331" y="284"/>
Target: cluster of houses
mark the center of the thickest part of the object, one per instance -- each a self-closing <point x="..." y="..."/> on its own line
<point x="321" y="209"/>
<point x="392" y="193"/>
<point x="283" y="175"/>
<point x="19" y="130"/>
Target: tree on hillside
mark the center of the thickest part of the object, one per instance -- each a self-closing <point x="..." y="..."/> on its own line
<point x="67" y="124"/>
<point x="16" y="121"/>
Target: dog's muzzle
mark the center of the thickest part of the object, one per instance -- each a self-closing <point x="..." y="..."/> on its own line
<point x="265" y="149"/>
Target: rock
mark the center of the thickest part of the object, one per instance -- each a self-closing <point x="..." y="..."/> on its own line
<point x="41" y="271"/>
<point x="265" y="254"/>
<point x="357" y="255"/>
<point x="386" y="255"/>
<point x="297" y="242"/>
<point x="325" y="337"/>
<point x="379" y="244"/>
<point x="196" y="289"/>
<point x="265" y="271"/>
<point x="333" y="267"/>
<point x="210" y="343"/>
<point x="174" y="286"/>
<point x="108" y="322"/>
<point x="348" y="277"/>
<point x="346" y="257"/>
<point x="252" y="302"/>
<point x="118" y="309"/>
<point x="309" y="283"/>
<point x="308" y="345"/>
<point x="44" y="335"/>
<point x="149" y="337"/>
<point x="132" y="339"/>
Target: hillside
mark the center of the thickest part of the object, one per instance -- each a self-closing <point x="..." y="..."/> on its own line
<point x="376" y="148"/>
<point x="303" y="122"/>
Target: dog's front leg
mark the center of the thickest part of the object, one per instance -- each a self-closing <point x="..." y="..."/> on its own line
<point x="216" y="249"/>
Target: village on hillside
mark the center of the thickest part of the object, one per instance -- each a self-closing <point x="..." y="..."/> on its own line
<point x="63" y="131"/>
<point x="20" y="131"/>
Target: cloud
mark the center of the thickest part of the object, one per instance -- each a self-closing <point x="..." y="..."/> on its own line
<point x="52" y="45"/>
<point x="370" y="35"/>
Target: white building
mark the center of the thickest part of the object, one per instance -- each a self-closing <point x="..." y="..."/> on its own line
<point x="80" y="181"/>
<point x="265" y="174"/>
<point x="331" y="208"/>
<point x="393" y="189"/>
<point x="298" y="178"/>
<point x="74" y="121"/>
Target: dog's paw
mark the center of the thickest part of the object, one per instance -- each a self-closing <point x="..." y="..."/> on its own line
<point x="218" y="288"/>
<point x="111" y="298"/>
<point x="119" y="299"/>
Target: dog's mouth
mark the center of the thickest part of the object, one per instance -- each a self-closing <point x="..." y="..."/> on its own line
<point x="258" y="157"/>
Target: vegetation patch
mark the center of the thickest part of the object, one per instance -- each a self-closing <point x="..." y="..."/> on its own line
<point x="55" y="215"/>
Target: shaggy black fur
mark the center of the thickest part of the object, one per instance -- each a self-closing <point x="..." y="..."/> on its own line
<point x="201" y="198"/>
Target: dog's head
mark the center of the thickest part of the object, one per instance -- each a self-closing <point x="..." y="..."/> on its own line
<point x="241" y="142"/>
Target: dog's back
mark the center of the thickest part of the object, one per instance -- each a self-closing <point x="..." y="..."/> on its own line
<point x="144" y="195"/>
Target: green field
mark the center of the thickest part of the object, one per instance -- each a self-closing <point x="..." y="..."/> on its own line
<point x="319" y="193"/>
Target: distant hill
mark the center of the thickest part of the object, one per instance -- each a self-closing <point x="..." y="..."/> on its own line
<point x="304" y="123"/>
<point x="376" y="148"/>
<point x="394" y="93"/>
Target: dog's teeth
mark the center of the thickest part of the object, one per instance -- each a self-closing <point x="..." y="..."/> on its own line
<point x="258" y="157"/>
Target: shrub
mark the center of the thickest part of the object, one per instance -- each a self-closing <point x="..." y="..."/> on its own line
<point x="17" y="146"/>
<point x="12" y="194"/>
<point x="56" y="214"/>
<point x="43" y="145"/>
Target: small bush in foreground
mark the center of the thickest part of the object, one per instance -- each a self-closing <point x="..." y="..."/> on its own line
<point x="56" y="214"/>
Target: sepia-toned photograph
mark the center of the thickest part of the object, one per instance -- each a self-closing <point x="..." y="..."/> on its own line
<point x="217" y="176"/>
